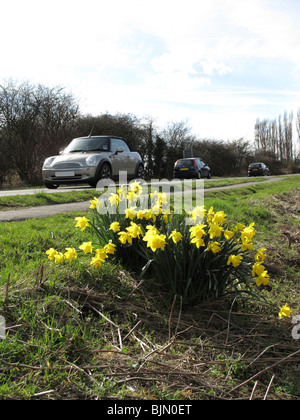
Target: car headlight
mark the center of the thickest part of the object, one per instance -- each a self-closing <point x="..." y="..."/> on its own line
<point x="91" y="161"/>
<point x="48" y="162"/>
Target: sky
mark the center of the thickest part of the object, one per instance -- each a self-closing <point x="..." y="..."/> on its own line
<point x="218" y="65"/>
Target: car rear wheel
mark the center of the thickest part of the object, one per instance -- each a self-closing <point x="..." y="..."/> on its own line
<point x="140" y="173"/>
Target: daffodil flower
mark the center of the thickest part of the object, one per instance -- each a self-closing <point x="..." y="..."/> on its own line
<point x="70" y="254"/>
<point x="176" y="236"/>
<point x="115" y="227"/>
<point x="86" y="247"/>
<point x="235" y="260"/>
<point x="215" y="247"/>
<point x="82" y="222"/>
<point x="285" y="311"/>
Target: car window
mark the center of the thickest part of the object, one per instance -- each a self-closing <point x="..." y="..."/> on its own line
<point x="115" y="144"/>
<point x="184" y="162"/>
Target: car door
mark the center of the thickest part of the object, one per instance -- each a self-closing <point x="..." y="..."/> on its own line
<point x="119" y="160"/>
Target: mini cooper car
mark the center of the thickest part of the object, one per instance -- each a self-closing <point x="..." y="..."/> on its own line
<point x="89" y="159"/>
<point x="191" y="168"/>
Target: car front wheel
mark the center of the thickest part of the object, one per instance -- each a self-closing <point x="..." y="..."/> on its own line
<point x="105" y="171"/>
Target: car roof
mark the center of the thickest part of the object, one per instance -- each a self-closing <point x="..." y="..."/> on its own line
<point x="102" y="136"/>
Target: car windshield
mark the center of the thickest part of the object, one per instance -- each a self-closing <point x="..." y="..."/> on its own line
<point x="87" y="145"/>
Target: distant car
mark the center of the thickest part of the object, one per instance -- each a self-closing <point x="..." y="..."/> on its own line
<point x="89" y="159"/>
<point x="191" y="168"/>
<point x="258" y="169"/>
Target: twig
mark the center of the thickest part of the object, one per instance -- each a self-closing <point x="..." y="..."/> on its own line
<point x="265" y="370"/>
<point x="265" y="397"/>
<point x="103" y="316"/>
<point x="253" y="390"/>
<point x="39" y="394"/>
<point x="132" y="329"/>
<point x="229" y="318"/>
<point x="171" y="315"/>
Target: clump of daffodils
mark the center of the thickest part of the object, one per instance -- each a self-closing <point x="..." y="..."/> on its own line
<point x="207" y="258"/>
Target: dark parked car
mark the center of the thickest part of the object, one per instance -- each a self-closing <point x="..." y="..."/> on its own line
<point x="191" y="168"/>
<point x="258" y="169"/>
<point x="88" y="159"/>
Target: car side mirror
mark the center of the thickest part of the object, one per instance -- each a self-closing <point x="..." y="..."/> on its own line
<point x="119" y="150"/>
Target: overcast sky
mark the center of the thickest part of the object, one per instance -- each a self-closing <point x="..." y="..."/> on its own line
<point x="219" y="64"/>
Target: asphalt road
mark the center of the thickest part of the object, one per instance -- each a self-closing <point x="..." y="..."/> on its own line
<point x="46" y="211"/>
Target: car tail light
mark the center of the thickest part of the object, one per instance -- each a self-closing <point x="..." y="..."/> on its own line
<point x="194" y="163"/>
<point x="175" y="163"/>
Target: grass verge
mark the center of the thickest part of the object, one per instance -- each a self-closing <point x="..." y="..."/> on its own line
<point x="76" y="332"/>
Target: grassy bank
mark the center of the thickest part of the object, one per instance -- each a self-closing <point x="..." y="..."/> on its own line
<point x="77" y="332"/>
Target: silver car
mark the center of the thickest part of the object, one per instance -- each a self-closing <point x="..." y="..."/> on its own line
<point x="89" y="159"/>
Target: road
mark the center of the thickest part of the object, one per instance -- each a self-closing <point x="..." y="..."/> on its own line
<point x="46" y="211"/>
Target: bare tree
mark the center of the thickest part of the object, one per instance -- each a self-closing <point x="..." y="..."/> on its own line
<point x="35" y="120"/>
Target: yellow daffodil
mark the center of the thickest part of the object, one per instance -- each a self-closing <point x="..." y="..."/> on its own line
<point x="219" y="218"/>
<point x="155" y="241"/>
<point x="240" y="226"/>
<point x="285" y="311"/>
<point x="51" y="254"/>
<point x="248" y="233"/>
<point x="101" y="254"/>
<point x="215" y="230"/>
<point x="261" y="254"/>
<point x="70" y="254"/>
<point x="125" y="237"/>
<point x="228" y="234"/>
<point x="134" y="230"/>
<point x="215" y="247"/>
<point x="114" y="226"/>
<point x="110" y="248"/>
<point x="114" y="199"/>
<point x="247" y="246"/>
<point x="263" y="278"/>
<point x="95" y="203"/>
<point x="235" y="260"/>
<point x="176" y="236"/>
<point x="130" y="213"/>
<point x="96" y="262"/>
<point x="197" y="233"/>
<point x="82" y="222"/>
<point x="136" y="187"/>
<point x="257" y="268"/>
<point x="59" y="258"/>
<point x="86" y="247"/>
<point x="210" y="214"/>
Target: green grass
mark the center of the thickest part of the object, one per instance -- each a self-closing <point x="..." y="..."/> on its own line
<point x="79" y="333"/>
<point x="45" y="199"/>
